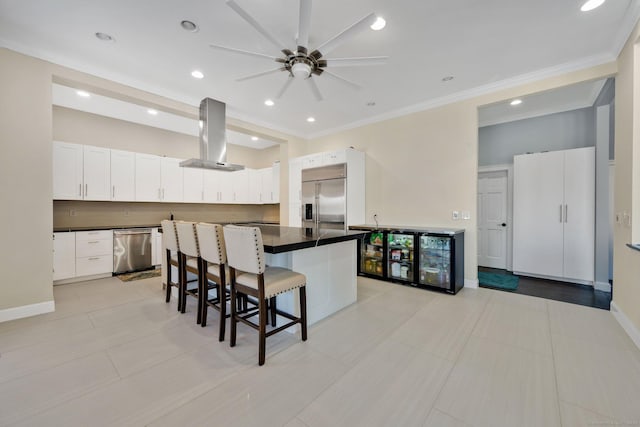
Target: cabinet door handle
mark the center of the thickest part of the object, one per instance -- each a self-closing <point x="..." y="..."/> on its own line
<point x="80" y="190"/>
<point x="163" y="194"/>
<point x="86" y="190"/>
<point x="94" y="259"/>
<point x="93" y="242"/>
<point x="560" y="213"/>
<point x="113" y="192"/>
<point x="566" y="213"/>
<point x="159" y="198"/>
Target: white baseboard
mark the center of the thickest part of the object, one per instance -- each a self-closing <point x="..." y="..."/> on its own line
<point x="471" y="283"/>
<point x="602" y="286"/>
<point x="626" y="324"/>
<point x="81" y="279"/>
<point x="27" y="311"/>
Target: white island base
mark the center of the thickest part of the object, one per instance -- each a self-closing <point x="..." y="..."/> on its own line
<point x="331" y="272"/>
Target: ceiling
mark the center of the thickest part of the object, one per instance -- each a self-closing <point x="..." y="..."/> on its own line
<point x="484" y="45"/>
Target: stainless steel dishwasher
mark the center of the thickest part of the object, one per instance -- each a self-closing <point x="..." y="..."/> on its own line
<point x="131" y="250"/>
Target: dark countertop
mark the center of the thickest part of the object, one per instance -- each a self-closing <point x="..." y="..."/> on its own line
<point x="278" y="239"/>
<point x="408" y="229"/>
<point x="635" y="246"/>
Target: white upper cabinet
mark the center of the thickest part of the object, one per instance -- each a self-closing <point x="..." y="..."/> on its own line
<point x="240" y="185"/>
<point x="123" y="176"/>
<point x="97" y="173"/>
<point x="255" y="186"/>
<point x="193" y="188"/>
<point x="171" y="180"/>
<point x="312" y="161"/>
<point x="67" y="171"/>
<point x="81" y="172"/>
<point x="148" y="178"/>
<point x="266" y="189"/>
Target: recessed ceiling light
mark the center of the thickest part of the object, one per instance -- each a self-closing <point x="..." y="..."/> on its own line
<point x="197" y="74"/>
<point x="311" y="119"/>
<point x="254" y="138"/>
<point x="83" y="93"/>
<point x="152" y="112"/>
<point x="371" y="104"/>
<point x="379" y="24"/>
<point x="591" y="4"/>
<point x="189" y="26"/>
<point x="447" y="78"/>
<point x="104" y="37"/>
<point x="269" y="103"/>
<point x="516" y="102"/>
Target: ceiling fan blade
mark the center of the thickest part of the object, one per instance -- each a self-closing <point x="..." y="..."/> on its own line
<point x="304" y="24"/>
<point x="356" y="62"/>
<point x="243" y="52"/>
<point x="348" y="32"/>
<point x="343" y="80"/>
<point x="284" y="87"/>
<point x="314" y="88"/>
<point x="244" y="15"/>
<point x="263" y="73"/>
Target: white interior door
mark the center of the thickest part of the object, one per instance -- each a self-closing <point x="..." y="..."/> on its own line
<point x="492" y="219"/>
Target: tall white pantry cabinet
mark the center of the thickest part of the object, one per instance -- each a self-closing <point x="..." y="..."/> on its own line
<point x="554" y="214"/>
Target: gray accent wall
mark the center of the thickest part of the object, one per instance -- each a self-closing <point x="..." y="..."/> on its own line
<point x="497" y="144"/>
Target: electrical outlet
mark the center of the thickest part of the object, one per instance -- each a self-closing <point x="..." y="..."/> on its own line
<point x="72" y="212"/>
<point x="455" y="215"/>
<point x="466" y="215"/>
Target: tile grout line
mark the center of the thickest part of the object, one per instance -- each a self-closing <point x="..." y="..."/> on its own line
<point x="455" y="363"/>
<point x="553" y="360"/>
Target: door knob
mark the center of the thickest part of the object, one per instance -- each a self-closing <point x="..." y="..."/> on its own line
<point x="504" y="224"/>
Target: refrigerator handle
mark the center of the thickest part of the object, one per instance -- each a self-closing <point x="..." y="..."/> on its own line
<point x="316" y="213"/>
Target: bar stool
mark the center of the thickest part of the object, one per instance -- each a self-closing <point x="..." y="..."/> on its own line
<point x="190" y="261"/>
<point x="170" y="242"/>
<point x="251" y="276"/>
<point x="213" y="272"/>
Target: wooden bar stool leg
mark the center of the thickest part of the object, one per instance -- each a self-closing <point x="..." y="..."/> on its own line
<point x="234" y="311"/>
<point x="183" y="288"/>
<point x="303" y="312"/>
<point x="223" y="309"/>
<point x="272" y="303"/>
<point x="201" y="291"/>
<point x="262" y="330"/>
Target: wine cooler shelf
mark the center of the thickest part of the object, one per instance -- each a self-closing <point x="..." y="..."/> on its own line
<point x="428" y="258"/>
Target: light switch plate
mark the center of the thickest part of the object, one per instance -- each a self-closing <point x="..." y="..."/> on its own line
<point x="466" y="215"/>
<point x="455" y="215"/>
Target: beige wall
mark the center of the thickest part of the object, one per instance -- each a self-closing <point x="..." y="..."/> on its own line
<point x="422" y="166"/>
<point x="25" y="181"/>
<point x="91" y="129"/>
<point x="626" y="262"/>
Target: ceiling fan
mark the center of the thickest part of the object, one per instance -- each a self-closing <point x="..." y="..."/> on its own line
<point x="302" y="63"/>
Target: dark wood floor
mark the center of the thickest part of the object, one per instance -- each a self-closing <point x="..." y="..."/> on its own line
<point x="559" y="291"/>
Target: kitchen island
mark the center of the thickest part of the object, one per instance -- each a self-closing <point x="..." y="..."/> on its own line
<point x="328" y="258"/>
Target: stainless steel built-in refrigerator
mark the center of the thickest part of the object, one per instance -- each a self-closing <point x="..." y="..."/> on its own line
<point x="324" y="197"/>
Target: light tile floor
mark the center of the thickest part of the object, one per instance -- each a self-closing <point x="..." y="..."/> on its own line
<point x="115" y="354"/>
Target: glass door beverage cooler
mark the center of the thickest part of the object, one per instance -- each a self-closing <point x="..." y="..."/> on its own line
<point x="430" y="258"/>
<point x="441" y="264"/>
<point x="372" y="255"/>
<point x="400" y="256"/>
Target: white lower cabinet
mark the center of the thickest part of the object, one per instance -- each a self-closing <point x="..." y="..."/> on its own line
<point x="94" y="252"/>
<point x="64" y="255"/>
<point x="156" y="247"/>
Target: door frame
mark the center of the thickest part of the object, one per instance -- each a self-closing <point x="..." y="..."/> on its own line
<point x="508" y="168"/>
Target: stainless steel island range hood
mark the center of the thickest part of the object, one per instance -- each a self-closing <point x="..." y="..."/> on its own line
<point x="213" y="139"/>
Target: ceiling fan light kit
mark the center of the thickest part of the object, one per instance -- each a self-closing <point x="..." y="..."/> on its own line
<point x="304" y="65"/>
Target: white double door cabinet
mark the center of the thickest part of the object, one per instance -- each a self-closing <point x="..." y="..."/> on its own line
<point x="554" y="214"/>
<point x="81" y="172"/>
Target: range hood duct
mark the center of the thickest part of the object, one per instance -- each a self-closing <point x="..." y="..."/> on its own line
<point x="213" y="139"/>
